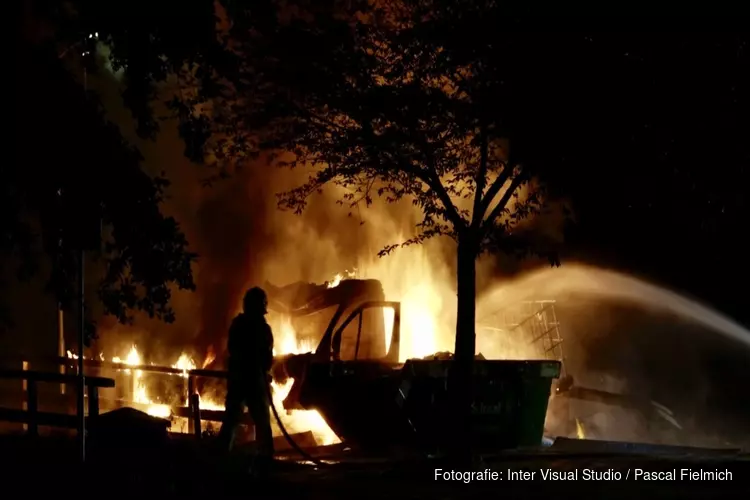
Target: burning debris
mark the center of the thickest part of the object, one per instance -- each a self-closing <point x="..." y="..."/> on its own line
<point x="580" y="433"/>
<point x="145" y="395"/>
<point x="337" y="279"/>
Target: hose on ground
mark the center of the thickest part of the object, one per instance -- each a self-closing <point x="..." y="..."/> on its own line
<point x="286" y="434"/>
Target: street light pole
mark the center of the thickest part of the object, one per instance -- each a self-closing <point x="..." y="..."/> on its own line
<point x="81" y="404"/>
<point x="80" y="397"/>
<point x="81" y="376"/>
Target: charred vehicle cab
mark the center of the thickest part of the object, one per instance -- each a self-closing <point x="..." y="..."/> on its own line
<point x="355" y="379"/>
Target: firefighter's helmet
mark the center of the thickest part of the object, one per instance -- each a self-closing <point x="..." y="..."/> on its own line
<point x="255" y="300"/>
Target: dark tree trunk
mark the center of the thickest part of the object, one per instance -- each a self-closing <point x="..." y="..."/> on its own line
<point x="460" y="377"/>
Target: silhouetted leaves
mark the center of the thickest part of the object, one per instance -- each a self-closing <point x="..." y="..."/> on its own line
<point x="147" y="41"/>
<point x="74" y="175"/>
<point x="377" y="99"/>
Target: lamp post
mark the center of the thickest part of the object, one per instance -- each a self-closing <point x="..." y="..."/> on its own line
<point x="80" y="403"/>
<point x="80" y="393"/>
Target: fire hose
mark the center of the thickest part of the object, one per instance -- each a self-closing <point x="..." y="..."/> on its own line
<point x="286" y="434"/>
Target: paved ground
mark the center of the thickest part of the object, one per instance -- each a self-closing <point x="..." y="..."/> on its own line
<point x="184" y="470"/>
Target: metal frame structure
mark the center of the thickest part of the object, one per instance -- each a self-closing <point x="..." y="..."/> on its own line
<point x="536" y="322"/>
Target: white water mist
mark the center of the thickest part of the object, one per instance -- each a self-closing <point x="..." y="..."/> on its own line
<point x="572" y="280"/>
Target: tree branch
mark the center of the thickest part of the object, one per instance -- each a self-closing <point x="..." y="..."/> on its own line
<point x="514" y="185"/>
<point x="428" y="176"/>
<point x="434" y="183"/>
<point x="481" y="179"/>
<point x="495" y="188"/>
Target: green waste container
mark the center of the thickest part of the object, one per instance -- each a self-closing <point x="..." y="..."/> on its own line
<point x="509" y="401"/>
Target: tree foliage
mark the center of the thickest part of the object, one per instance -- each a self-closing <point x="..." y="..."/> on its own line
<point x="149" y="42"/>
<point x="386" y="98"/>
<point x="76" y="184"/>
<point x="379" y="101"/>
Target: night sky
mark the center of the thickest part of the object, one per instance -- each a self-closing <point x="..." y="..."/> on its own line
<point x="648" y="133"/>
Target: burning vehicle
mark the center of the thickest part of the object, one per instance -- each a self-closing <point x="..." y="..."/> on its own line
<point x="338" y="375"/>
<point x="355" y="380"/>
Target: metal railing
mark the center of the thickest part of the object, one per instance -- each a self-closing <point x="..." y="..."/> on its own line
<point x="30" y="415"/>
<point x="192" y="412"/>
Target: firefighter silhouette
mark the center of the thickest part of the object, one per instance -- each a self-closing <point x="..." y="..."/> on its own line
<point x="250" y="348"/>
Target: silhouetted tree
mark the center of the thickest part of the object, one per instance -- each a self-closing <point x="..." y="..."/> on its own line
<point x="74" y="183"/>
<point x="149" y="42"/>
<point x="383" y="103"/>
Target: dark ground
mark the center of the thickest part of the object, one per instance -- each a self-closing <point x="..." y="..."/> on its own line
<point x="181" y="469"/>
